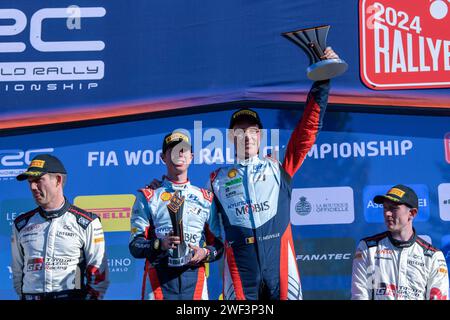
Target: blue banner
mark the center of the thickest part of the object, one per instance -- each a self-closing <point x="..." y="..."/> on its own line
<point x="97" y="59"/>
<point x="356" y="156"/>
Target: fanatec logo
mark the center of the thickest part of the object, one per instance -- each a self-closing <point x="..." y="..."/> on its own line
<point x="325" y="256"/>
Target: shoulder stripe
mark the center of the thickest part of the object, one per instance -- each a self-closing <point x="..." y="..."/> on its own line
<point x="376" y="237"/>
<point x="374" y="240"/>
<point x="22" y="220"/>
<point x="84" y="218"/>
<point x="425" y="244"/>
<point x="26" y="215"/>
<point x="208" y="195"/>
<point x="148" y="193"/>
<point x="85" y="214"/>
<point x="213" y="175"/>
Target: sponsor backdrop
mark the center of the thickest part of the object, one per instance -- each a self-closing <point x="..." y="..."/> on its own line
<point x="356" y="156"/>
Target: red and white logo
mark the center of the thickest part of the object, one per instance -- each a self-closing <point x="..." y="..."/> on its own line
<point x="447" y="146"/>
<point x="35" y="264"/>
<point x="405" y="44"/>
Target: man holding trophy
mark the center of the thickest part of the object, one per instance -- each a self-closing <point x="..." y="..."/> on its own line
<point x="252" y="196"/>
<point x="168" y="226"/>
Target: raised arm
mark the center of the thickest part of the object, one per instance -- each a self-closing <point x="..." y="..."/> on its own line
<point x="305" y="133"/>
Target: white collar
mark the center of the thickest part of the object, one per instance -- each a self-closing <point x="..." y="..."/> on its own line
<point x="176" y="185"/>
<point x="253" y="160"/>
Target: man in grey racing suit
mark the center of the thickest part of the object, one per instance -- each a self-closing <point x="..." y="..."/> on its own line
<point x="397" y="264"/>
<point x="58" y="250"/>
<point x="175" y="262"/>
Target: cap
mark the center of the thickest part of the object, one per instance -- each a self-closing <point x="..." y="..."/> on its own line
<point x="174" y="138"/>
<point x="42" y="164"/>
<point x="245" y="114"/>
<point x="400" y="194"/>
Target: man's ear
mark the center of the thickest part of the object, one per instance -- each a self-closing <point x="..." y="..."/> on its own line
<point x="58" y="179"/>
<point x="413" y="212"/>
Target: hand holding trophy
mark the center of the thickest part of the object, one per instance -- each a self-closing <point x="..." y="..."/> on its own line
<point x="181" y="254"/>
<point x="313" y="42"/>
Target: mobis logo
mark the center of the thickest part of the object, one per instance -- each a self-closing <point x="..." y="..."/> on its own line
<point x="42" y="26"/>
<point x="404" y="44"/>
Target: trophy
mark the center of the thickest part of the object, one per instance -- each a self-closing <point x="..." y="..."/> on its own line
<point x="181" y="254"/>
<point x="313" y="42"/>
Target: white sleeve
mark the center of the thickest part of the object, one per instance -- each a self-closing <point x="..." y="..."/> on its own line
<point x="97" y="273"/>
<point x="17" y="261"/>
<point x="361" y="279"/>
<point x="437" y="285"/>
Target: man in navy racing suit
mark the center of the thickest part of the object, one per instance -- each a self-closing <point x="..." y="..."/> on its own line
<point x="168" y="275"/>
<point x="253" y="198"/>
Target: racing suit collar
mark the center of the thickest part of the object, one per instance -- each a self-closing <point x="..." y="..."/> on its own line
<point x="403" y="244"/>
<point x="176" y="185"/>
<point x="245" y="162"/>
<point x="55" y="213"/>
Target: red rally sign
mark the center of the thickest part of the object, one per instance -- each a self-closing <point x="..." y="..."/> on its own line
<point x="405" y="44"/>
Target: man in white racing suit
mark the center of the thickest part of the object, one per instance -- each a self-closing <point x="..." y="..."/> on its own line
<point x="397" y="264"/>
<point x="58" y="250"/>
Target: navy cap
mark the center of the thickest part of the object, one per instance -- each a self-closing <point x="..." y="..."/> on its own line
<point x="42" y="164"/>
<point x="174" y="138"/>
<point x="245" y="114"/>
<point x="400" y="194"/>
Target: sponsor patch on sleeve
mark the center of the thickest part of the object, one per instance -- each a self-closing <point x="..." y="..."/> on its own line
<point x="98" y="240"/>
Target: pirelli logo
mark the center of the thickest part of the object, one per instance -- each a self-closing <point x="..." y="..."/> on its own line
<point x="37" y="163"/>
<point x="399" y="193"/>
<point x="113" y="210"/>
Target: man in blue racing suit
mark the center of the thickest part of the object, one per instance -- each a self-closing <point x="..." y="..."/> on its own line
<point x="174" y="267"/>
<point x="252" y="198"/>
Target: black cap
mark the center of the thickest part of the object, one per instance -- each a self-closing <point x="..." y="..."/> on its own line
<point x="42" y="164"/>
<point x="174" y="138"/>
<point x="400" y="194"/>
<point x="245" y="114"/>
